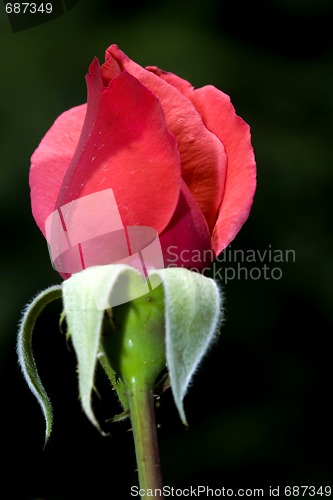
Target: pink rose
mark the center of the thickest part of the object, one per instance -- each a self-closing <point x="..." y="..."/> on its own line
<point x="178" y="159"/>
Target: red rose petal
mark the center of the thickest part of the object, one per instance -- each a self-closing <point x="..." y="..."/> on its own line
<point x="186" y="241"/>
<point x="219" y="116"/>
<point x="109" y="70"/>
<point x="203" y="157"/>
<point x="125" y="145"/>
<point x="50" y="162"/>
<point x="176" y="81"/>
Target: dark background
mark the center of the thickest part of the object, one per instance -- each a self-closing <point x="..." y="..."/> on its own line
<point x="260" y="406"/>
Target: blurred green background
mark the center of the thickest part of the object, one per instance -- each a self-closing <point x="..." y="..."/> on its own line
<point x="259" y="407"/>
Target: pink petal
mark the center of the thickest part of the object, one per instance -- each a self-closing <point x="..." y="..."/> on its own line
<point x="125" y="145"/>
<point x="219" y="116"/>
<point x="109" y="70"/>
<point x="186" y="241"/>
<point x="203" y="157"/>
<point x="50" y="161"/>
<point x="176" y="81"/>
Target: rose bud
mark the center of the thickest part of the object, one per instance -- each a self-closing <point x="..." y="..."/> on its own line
<point x="176" y="159"/>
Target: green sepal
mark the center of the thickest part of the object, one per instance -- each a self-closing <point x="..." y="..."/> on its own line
<point x="86" y="296"/>
<point x="84" y="324"/>
<point x="25" y="352"/>
<point x="193" y="315"/>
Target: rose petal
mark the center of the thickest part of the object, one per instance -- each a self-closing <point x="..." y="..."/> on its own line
<point x="109" y="70"/>
<point x="50" y="161"/>
<point x="176" y="81"/>
<point x="219" y="116"/>
<point x="186" y="241"/>
<point x="125" y="145"/>
<point x="203" y="157"/>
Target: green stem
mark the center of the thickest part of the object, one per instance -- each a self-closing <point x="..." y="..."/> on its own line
<point x="141" y="404"/>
